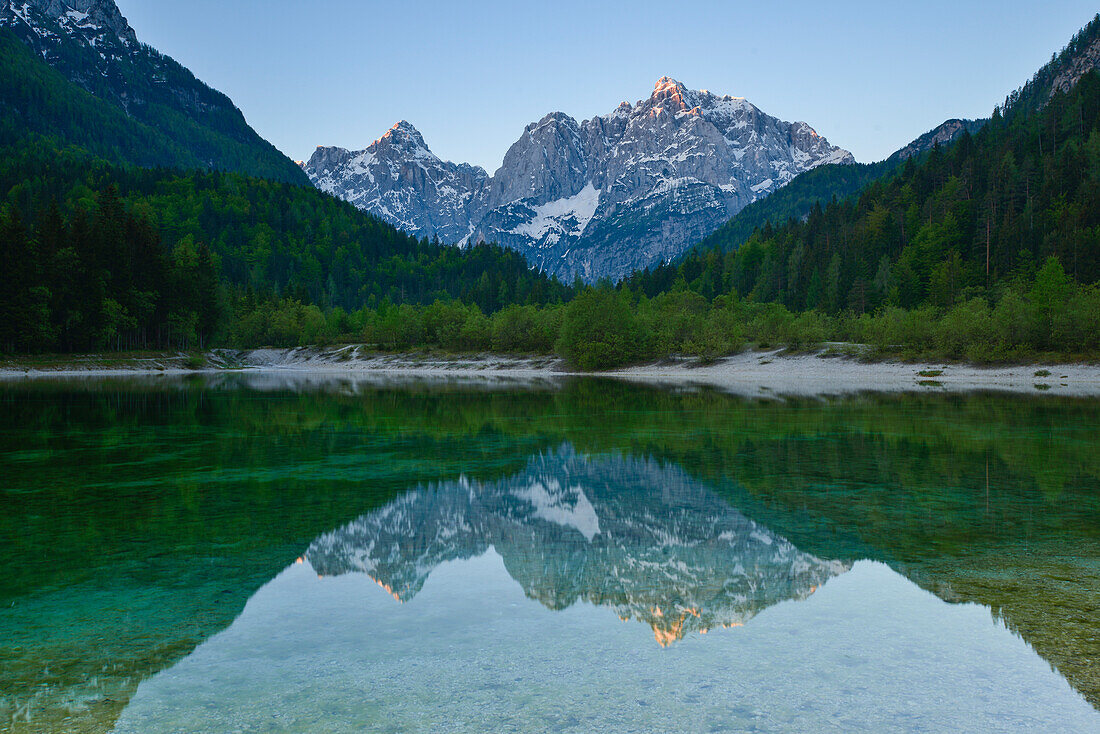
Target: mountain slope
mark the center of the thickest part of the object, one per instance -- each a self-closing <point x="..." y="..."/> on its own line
<point x="822" y="184"/>
<point x="74" y="70"/>
<point x="793" y="201"/>
<point x="1065" y="69"/>
<point x="95" y="255"/>
<point x="595" y="199"/>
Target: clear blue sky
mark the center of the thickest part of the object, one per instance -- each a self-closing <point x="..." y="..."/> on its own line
<point x="870" y="76"/>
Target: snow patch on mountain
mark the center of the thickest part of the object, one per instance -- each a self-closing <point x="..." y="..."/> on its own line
<point x="93" y="22"/>
<point x="565" y="217"/>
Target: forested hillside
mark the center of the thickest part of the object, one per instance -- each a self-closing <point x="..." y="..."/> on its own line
<point x="94" y="255"/>
<point x="823" y="184"/>
<point x="986" y="249"/>
<point x="1080" y="56"/>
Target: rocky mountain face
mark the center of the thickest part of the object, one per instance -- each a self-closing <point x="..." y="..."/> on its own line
<point x="1085" y="59"/>
<point x="594" y="199"/>
<point x="191" y="125"/>
<point x="57" y="30"/>
<point x="637" y="536"/>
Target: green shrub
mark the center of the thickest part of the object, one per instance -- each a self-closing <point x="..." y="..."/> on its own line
<point x="807" y="329"/>
<point x="895" y="329"/>
<point x="1014" y="323"/>
<point x="768" y="324"/>
<point x="599" y="331"/>
<point x="443" y="322"/>
<point x="721" y="334"/>
<point x="673" y="320"/>
<point x="477" y="332"/>
<point x="515" y="329"/>
<point x="963" y="326"/>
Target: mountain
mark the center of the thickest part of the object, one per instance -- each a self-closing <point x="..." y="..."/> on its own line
<point x="399" y="179"/>
<point x="819" y="186"/>
<point x="74" y="70"/>
<point x="635" y="535"/>
<point x="793" y="201"/>
<point x="594" y="199"/>
<point x="145" y="212"/>
<point x="943" y="134"/>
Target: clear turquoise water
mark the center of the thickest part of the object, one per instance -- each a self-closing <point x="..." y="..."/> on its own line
<point x="241" y="554"/>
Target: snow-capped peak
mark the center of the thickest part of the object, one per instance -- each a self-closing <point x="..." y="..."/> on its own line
<point x="667" y="84"/>
<point x="673" y="96"/>
<point x="404" y="135"/>
<point x="398" y="178"/>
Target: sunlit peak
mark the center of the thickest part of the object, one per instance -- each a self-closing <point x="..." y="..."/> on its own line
<point x="665" y="83"/>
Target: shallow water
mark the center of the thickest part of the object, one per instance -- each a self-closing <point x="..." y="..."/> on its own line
<point x="233" y="555"/>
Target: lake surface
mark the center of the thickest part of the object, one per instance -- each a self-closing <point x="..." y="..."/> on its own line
<point x="257" y="553"/>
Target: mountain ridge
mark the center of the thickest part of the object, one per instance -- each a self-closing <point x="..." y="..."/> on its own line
<point x="594" y="199"/>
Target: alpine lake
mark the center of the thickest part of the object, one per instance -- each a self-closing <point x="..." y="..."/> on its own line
<point x="258" y="553"/>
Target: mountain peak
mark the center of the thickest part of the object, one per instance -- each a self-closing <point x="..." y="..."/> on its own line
<point x="404" y="135"/>
<point x="667" y="83"/>
<point x="672" y="95"/>
<point x="551" y="121"/>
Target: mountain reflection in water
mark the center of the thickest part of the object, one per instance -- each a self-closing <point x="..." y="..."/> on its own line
<point x="637" y="536"/>
<point x="508" y="589"/>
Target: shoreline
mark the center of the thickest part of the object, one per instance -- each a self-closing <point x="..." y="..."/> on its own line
<point x="758" y="374"/>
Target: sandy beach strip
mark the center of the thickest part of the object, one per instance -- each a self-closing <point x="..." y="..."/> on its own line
<point x="750" y="374"/>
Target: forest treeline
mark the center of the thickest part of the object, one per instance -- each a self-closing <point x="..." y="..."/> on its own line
<point x="1048" y="315"/>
